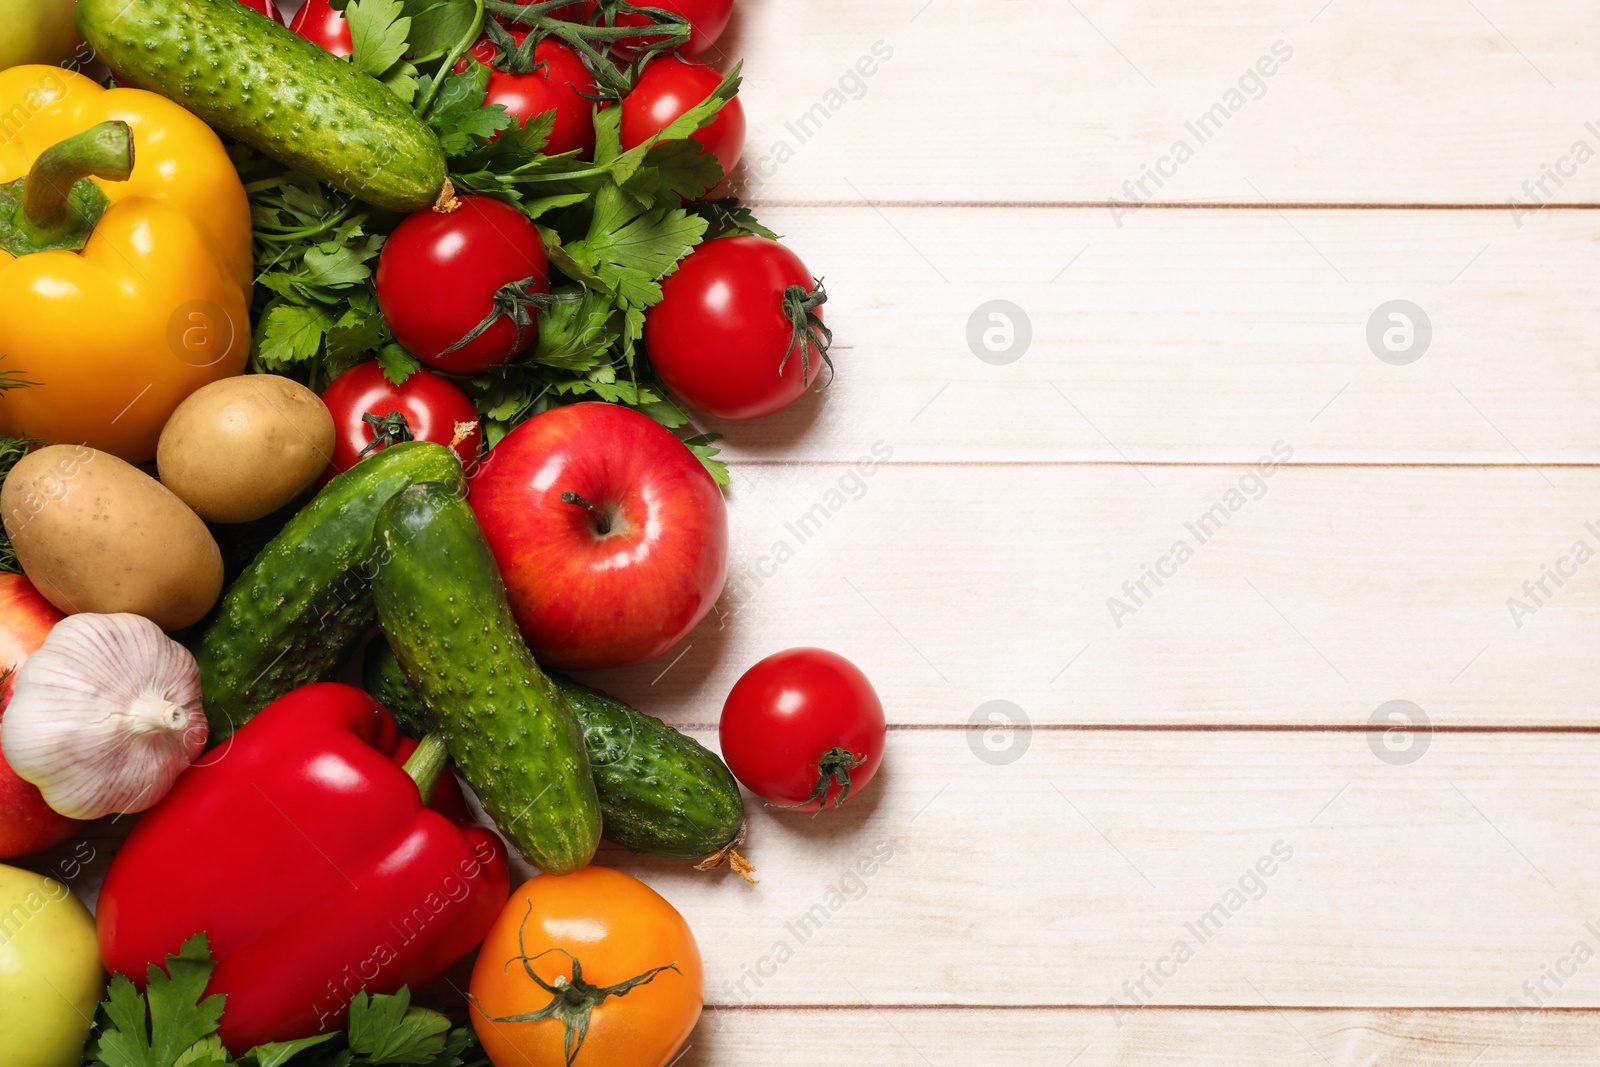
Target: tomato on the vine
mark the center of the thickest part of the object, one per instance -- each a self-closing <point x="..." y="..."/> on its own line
<point x="321" y="24"/>
<point x="553" y="78"/>
<point x="803" y="729"/>
<point x="370" y="413"/>
<point x="668" y="87"/>
<point x="264" y="7"/>
<point x="738" y="333"/>
<point x="707" y="20"/>
<point x="587" y="968"/>
<point x="462" y="289"/>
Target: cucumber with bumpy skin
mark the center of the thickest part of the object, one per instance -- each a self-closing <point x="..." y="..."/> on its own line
<point x="277" y="92"/>
<point x="661" y="791"/>
<point x="303" y="604"/>
<point x="443" y="608"/>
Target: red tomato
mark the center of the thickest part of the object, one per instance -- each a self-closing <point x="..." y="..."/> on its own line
<point x="264" y="7"/>
<point x="723" y="338"/>
<point x="803" y="729"/>
<point x="321" y="24"/>
<point x="27" y="823"/>
<point x="558" y="85"/>
<point x="707" y="20"/>
<point x="433" y="408"/>
<point x="668" y="87"/>
<point x="441" y="275"/>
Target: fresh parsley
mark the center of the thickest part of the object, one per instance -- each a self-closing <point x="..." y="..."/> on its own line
<point x="614" y="227"/>
<point x="174" y="1024"/>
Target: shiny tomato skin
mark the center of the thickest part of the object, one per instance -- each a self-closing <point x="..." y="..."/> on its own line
<point x="558" y="85"/>
<point x="789" y="710"/>
<point x="433" y="406"/>
<point x="618" y="929"/>
<point x="438" y="274"/>
<point x="720" y="331"/>
<point x="707" y="20"/>
<point x="321" y="24"/>
<point x="27" y="823"/>
<point x="668" y="87"/>
<point x="264" y="7"/>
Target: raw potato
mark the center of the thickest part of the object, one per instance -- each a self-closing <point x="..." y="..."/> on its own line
<point x="96" y="534"/>
<point x="242" y="448"/>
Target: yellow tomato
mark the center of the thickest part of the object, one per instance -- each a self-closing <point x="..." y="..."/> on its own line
<point x="597" y="945"/>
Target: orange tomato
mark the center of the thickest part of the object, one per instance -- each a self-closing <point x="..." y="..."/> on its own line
<point x="599" y="946"/>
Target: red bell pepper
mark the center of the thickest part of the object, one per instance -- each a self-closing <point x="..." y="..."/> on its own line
<point x="303" y="849"/>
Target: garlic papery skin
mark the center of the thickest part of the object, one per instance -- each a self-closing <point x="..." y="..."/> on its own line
<point x="104" y="716"/>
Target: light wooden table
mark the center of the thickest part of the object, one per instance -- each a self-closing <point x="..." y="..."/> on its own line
<point x="1159" y="826"/>
<point x="1029" y="889"/>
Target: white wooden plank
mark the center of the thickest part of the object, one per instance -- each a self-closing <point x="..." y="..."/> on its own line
<point x="1180" y="1038"/>
<point x="1335" y="591"/>
<point x="1436" y="101"/>
<point x="1197" y="336"/>
<point x="1057" y="878"/>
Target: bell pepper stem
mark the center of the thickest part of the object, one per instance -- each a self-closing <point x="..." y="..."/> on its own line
<point x="101" y="151"/>
<point x="426" y="764"/>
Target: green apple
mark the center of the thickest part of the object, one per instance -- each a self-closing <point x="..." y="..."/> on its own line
<point x="36" y="31"/>
<point x="50" y="974"/>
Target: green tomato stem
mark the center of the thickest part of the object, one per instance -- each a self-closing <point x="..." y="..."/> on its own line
<point x="451" y="58"/>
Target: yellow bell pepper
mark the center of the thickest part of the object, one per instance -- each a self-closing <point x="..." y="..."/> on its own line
<point x="142" y="292"/>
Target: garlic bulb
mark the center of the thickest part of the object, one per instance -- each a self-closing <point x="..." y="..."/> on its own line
<point x="104" y="716"/>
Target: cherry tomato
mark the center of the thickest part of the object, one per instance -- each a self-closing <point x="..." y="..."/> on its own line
<point x="668" y="87"/>
<point x="321" y="24"/>
<point x="264" y="7"/>
<point x="442" y="275"/>
<point x="641" y="975"/>
<point x="707" y="20"/>
<point x="433" y="409"/>
<point x="558" y="85"/>
<point x="724" y="335"/>
<point x="803" y="729"/>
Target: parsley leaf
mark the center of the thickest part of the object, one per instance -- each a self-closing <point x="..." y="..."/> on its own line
<point x="706" y="453"/>
<point x="179" y="1019"/>
<point x="175" y="1025"/>
<point x="397" y="363"/>
<point x="389" y="1030"/>
<point x="290" y="333"/>
<point x="379" y="31"/>
<point x="436" y="26"/>
<point x="459" y="113"/>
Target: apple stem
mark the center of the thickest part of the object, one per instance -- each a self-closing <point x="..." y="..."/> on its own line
<point x="602" y="524"/>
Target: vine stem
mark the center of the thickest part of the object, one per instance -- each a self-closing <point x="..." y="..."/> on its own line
<point x="450" y="60"/>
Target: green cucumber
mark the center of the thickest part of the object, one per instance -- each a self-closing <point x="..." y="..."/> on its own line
<point x="304" y="602"/>
<point x="275" y="91"/>
<point x="661" y="791"/>
<point x="443" y="608"/>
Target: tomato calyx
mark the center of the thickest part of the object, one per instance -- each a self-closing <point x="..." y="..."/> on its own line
<point x="594" y="38"/>
<point x="833" y="769"/>
<point x="513" y="301"/>
<point x="513" y="58"/>
<point x="390" y="429"/>
<point x="809" y="329"/>
<point x="572" y="1000"/>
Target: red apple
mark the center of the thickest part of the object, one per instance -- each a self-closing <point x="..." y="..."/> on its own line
<point x="611" y="536"/>
<point x="27" y="823"/>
